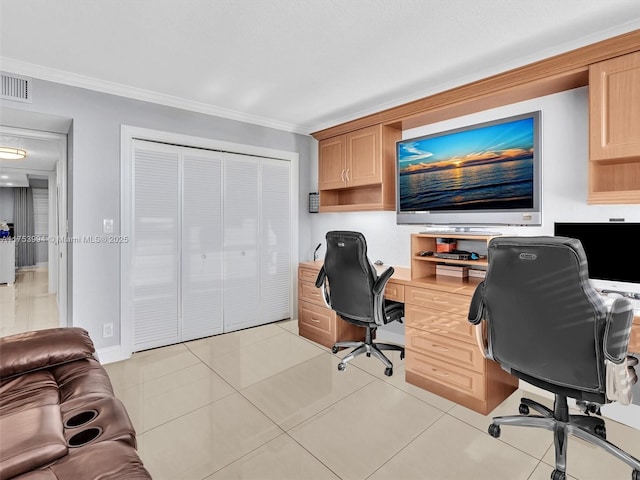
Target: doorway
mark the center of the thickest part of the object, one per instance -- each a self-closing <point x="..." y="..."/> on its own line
<point x="38" y="297"/>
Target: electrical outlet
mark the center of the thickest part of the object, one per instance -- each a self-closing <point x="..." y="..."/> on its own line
<point x="107" y="330"/>
<point x="107" y="225"/>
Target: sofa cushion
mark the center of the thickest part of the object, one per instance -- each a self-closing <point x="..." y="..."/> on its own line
<point x="46" y="348"/>
<point x="30" y="439"/>
<point x="109" y="460"/>
<point x="26" y="391"/>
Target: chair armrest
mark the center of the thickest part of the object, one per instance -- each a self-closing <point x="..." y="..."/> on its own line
<point x="26" y="352"/>
<point x="476" y="309"/>
<point x="618" y="330"/>
<point x="320" y="278"/>
<point x="382" y="280"/>
<point x="322" y="284"/>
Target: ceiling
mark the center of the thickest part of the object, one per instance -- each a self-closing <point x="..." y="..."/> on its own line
<point x="295" y="65"/>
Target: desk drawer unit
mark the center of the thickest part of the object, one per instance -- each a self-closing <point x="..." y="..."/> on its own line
<point x="309" y="293"/>
<point x="308" y="275"/>
<point x="442" y="355"/>
<point x="447" y="375"/>
<point x="441" y="323"/>
<point x="437" y="300"/>
<point x="394" y="291"/>
<point x="464" y="354"/>
<point x="317" y="322"/>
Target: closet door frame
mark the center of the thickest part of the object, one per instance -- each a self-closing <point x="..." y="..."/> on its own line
<point x="127" y="136"/>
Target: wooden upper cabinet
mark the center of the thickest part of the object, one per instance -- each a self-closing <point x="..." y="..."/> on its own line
<point x="364" y="161"/>
<point x="350" y="160"/>
<point x="356" y="170"/>
<point x="614" y="101"/>
<point x="332" y="163"/>
<point x="614" y="130"/>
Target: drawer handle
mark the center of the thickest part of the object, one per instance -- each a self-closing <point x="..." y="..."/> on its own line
<point x="315" y="320"/>
<point x="435" y="300"/>
<point x="439" y="347"/>
<point x="440" y="372"/>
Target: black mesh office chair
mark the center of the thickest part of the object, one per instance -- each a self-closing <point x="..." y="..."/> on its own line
<point x="352" y="288"/>
<point x="546" y="325"/>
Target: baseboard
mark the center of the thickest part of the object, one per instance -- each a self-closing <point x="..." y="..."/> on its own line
<point x="110" y="355"/>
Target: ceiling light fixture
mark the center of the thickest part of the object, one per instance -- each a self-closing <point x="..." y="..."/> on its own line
<point x="10" y="153"/>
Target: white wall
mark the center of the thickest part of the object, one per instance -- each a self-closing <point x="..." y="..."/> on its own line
<point x="94" y="181"/>
<point x="564" y="180"/>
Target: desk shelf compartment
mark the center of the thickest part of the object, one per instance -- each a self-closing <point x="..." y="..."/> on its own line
<point x="425" y="266"/>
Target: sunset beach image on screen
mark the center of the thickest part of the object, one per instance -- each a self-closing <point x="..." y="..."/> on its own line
<point x="485" y="168"/>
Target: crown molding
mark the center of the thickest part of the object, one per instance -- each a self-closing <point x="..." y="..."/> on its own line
<point x="41" y="72"/>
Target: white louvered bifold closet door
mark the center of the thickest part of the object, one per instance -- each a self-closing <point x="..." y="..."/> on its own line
<point x="156" y="245"/>
<point x="241" y="242"/>
<point x="202" y="284"/>
<point x="275" y="262"/>
<point x="210" y="246"/>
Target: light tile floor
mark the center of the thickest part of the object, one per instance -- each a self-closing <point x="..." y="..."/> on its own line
<point x="27" y="305"/>
<point x="265" y="403"/>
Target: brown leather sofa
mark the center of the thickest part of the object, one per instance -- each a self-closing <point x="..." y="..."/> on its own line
<point x="59" y="418"/>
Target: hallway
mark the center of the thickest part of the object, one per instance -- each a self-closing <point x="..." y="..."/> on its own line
<point x="27" y="305"/>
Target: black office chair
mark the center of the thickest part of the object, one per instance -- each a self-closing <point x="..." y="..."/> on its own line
<point x="352" y="288"/>
<point x="546" y="325"/>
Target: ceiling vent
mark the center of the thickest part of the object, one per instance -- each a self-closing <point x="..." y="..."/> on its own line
<point x="16" y="88"/>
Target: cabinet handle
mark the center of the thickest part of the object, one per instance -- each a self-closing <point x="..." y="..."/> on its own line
<point x="348" y="180"/>
<point x="314" y="320"/>
<point x="342" y="175"/>
<point x="440" y="372"/>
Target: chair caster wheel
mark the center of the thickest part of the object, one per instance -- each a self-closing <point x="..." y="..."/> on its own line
<point x="388" y="371"/>
<point x="635" y="475"/>
<point x="601" y="431"/>
<point x="401" y="355"/>
<point x="341" y="366"/>
<point x="558" y="475"/>
<point x="334" y="349"/>
<point x="523" y="409"/>
<point x="494" y="430"/>
<point x="368" y="354"/>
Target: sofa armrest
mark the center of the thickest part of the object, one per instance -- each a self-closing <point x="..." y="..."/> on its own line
<point x="26" y="352"/>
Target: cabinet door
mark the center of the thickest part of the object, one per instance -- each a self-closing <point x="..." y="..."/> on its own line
<point x="241" y="242"/>
<point x="614" y="100"/>
<point x="275" y="257"/>
<point x="156" y="245"/>
<point x="202" y="286"/>
<point x="331" y="163"/>
<point x="364" y="158"/>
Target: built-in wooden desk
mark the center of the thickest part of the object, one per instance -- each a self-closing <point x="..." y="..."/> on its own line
<point x="442" y="354"/>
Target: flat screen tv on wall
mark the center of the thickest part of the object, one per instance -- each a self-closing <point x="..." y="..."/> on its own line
<point x="483" y="174"/>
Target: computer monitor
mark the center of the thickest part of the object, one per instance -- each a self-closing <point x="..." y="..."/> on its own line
<point x="611" y="258"/>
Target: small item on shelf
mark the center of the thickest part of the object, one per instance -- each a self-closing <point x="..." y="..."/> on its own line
<point x="444" y="245"/>
<point x="452" y="271"/>
<point x="476" y="273"/>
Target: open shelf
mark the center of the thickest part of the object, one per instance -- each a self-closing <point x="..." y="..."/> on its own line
<point x="425" y="266"/>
